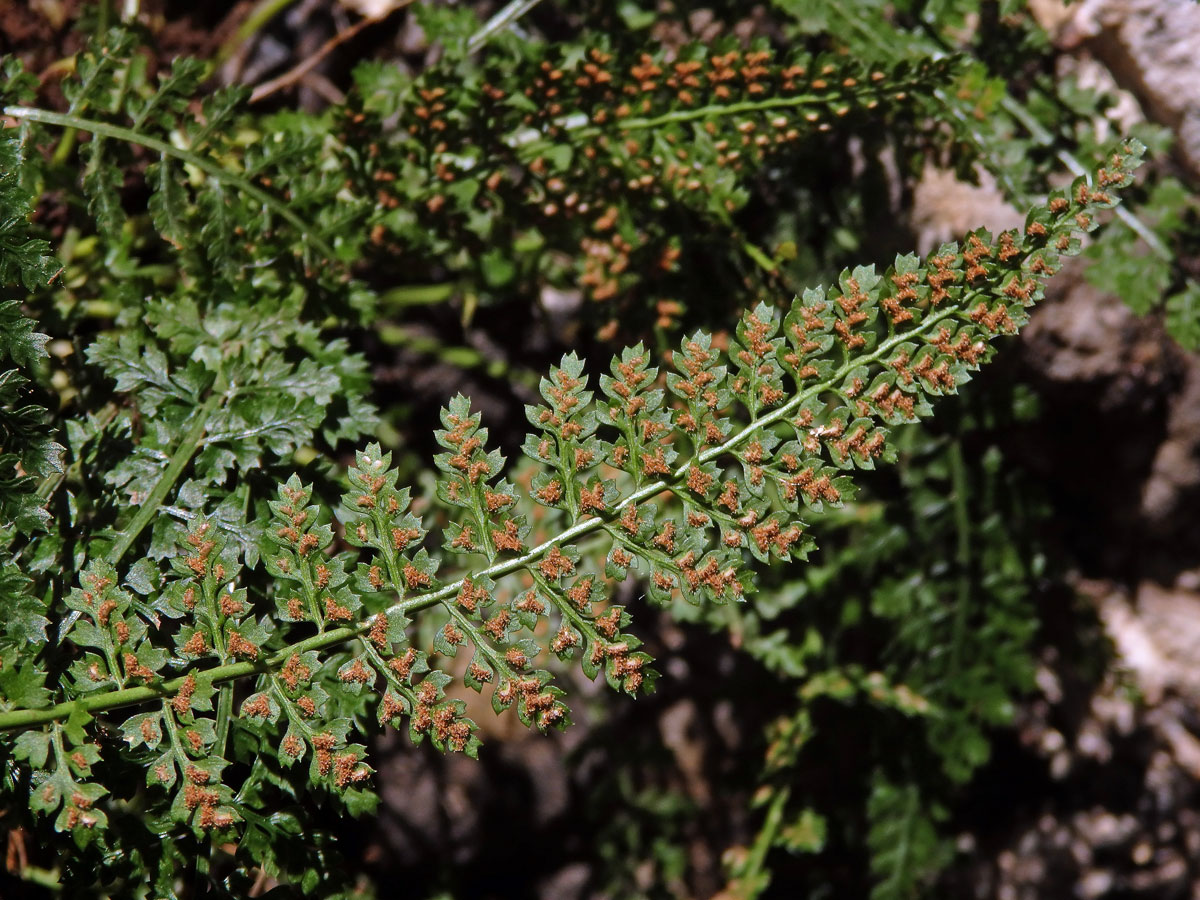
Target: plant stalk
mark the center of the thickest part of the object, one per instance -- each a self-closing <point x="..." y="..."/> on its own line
<point x="149" y="507"/>
<point x="501" y="20"/>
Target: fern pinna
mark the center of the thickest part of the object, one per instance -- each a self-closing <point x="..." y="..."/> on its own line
<point x="678" y="474"/>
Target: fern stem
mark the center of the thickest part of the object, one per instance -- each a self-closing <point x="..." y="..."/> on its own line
<point x="224" y="717"/>
<point x="764" y="262"/>
<point x="773" y="821"/>
<point x="578" y="124"/>
<point x="26" y="718"/>
<point x="677" y="116"/>
<point x="580" y="128"/>
<point x="962" y="527"/>
<point x="210" y="168"/>
<point x="154" y="500"/>
<point x="904" y="854"/>
<point x="263" y="12"/>
<point x="289" y="708"/>
<point x="501" y="20"/>
<point x="46" y="878"/>
<point x="482" y="646"/>
<point x="389" y="675"/>
<point x="60" y="753"/>
<point x="182" y="760"/>
<point x="567" y="610"/>
<point x="66" y="146"/>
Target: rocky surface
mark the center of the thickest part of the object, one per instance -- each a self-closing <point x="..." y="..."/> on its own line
<point x="1152" y="47"/>
<point x="1104" y="780"/>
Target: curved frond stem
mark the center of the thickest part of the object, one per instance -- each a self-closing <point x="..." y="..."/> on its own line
<point x="962" y="527"/>
<point x="207" y="166"/>
<point x="497" y="23"/>
<point x="172" y="728"/>
<point x="566" y="609"/>
<point x="262" y="13"/>
<point x="679" y="116"/>
<point x="393" y="680"/>
<point x="294" y="715"/>
<point x="579" y="128"/>
<point x="179" y="461"/>
<point x="657" y="556"/>
<point x="224" y="718"/>
<point x="481" y="643"/>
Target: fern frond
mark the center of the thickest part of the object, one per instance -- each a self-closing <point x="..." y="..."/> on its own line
<point x="603" y="156"/>
<point x="683" y="491"/>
